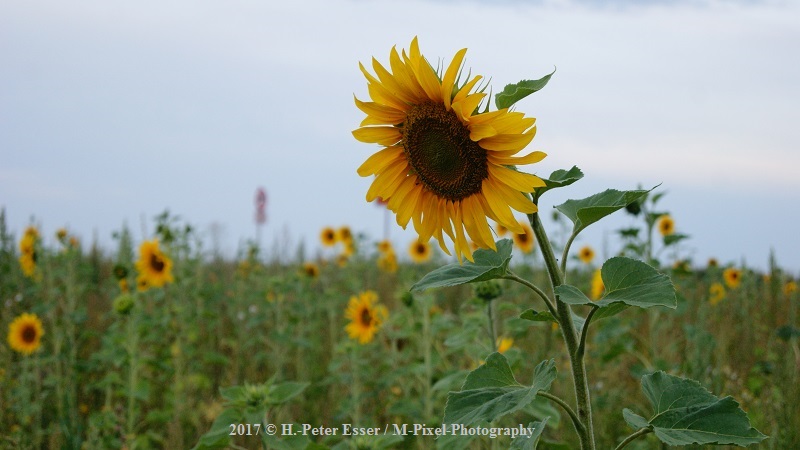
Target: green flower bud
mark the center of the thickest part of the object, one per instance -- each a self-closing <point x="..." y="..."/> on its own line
<point x="123" y="304"/>
<point x="488" y="290"/>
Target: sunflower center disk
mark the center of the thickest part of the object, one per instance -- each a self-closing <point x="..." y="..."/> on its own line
<point x="156" y="263"/>
<point x="29" y="334"/>
<point x="366" y="317"/>
<point x="441" y="153"/>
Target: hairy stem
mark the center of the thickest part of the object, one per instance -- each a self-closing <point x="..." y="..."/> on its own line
<point x="632" y="437"/>
<point x="571" y="338"/>
<point x="576" y="421"/>
<point x="534" y="288"/>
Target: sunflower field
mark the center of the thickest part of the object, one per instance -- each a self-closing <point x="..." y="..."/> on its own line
<point x="475" y="335"/>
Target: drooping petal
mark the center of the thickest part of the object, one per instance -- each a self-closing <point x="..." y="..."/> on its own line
<point x="378" y="135"/>
<point x="507" y="141"/>
<point x="385" y="115"/>
<point x="523" y="182"/>
<point x="530" y="158"/>
<point x="380" y="160"/>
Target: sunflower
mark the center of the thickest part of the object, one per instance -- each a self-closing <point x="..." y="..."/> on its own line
<point x="525" y="240"/>
<point x="388" y="262"/>
<point x="155" y="268"/>
<point x="666" y="226"/>
<point x="598" y="286"/>
<point x="27" y="261"/>
<point x="503" y="344"/>
<point x="28" y="253"/>
<point x="732" y="277"/>
<point x="500" y="230"/>
<point x="328" y="237"/>
<point x="366" y="316"/>
<point x="790" y="287"/>
<point x="420" y="251"/>
<point x="712" y="262"/>
<point x="444" y="165"/>
<point x="25" y="333"/>
<point x="310" y="269"/>
<point x="385" y="246"/>
<point x="716" y="293"/>
<point x="586" y="254"/>
<point x="344" y="235"/>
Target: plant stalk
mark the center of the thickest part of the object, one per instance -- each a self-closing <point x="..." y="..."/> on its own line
<point x="571" y="338"/>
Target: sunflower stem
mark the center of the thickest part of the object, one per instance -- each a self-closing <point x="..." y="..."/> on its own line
<point x="564" y="256"/>
<point x="490" y="316"/>
<point x="571" y="338"/>
<point x="512" y="276"/>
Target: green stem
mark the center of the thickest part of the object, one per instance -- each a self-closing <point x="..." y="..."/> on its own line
<point x="571" y="339"/>
<point x="576" y="421"/>
<point x="534" y="288"/>
<point x="632" y="437"/>
<point x="584" y="332"/>
<point x="427" y="341"/>
<point x="492" y="334"/>
<point x="565" y="254"/>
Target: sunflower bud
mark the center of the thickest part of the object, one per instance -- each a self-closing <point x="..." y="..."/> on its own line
<point x="123" y="304"/>
<point x="488" y="290"/>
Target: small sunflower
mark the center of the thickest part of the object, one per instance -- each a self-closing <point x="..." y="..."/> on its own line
<point x="27" y="262"/>
<point x="444" y="165"/>
<point x="500" y="230"/>
<point x="525" y="240"/>
<point x="597" y="286"/>
<point x="385" y="246"/>
<point x="666" y="226"/>
<point x="154" y="267"/>
<point x="732" y="277"/>
<point x="716" y="293"/>
<point x="310" y="269"/>
<point x="344" y="235"/>
<point x="420" y="251"/>
<point x="366" y="316"/>
<point x="586" y="254"/>
<point x="25" y="333"/>
<point x="503" y="344"/>
<point x="790" y="287"/>
<point x="712" y="262"/>
<point x="388" y="262"/>
<point x="328" y="237"/>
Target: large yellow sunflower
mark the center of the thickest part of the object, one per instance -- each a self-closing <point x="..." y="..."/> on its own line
<point x="154" y="267"/>
<point x="366" y="316"/>
<point x="444" y="165"/>
<point x="25" y="333"/>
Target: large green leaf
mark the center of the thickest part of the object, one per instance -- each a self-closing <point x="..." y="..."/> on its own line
<point x="488" y="265"/>
<point x="513" y="93"/>
<point x="529" y="441"/>
<point x="490" y="391"/>
<point x="589" y="210"/>
<point x="559" y="178"/>
<point x="686" y="413"/>
<point x="627" y="281"/>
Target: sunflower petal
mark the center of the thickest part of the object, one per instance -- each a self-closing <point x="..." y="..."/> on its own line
<point x="384" y="114"/>
<point x="450" y="77"/>
<point x="530" y="158"/>
<point x="378" y="135"/>
<point x="379" y="160"/>
<point x="523" y="182"/>
<point x="507" y="141"/>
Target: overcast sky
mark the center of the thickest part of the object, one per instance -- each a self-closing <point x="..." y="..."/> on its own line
<point x="115" y="111"/>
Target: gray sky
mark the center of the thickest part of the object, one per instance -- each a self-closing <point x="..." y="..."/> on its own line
<point x="110" y="111"/>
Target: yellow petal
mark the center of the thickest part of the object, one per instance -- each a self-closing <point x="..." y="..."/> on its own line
<point x="405" y="75"/>
<point x="500" y="207"/>
<point x="523" y="182"/>
<point x="513" y="197"/>
<point x="386" y="182"/>
<point x="385" y="114"/>
<point x="379" y="160"/>
<point x="478" y="132"/>
<point x="379" y="135"/>
<point x="406" y="209"/>
<point x="530" y="158"/>
<point x="450" y="77"/>
<point x="380" y="94"/>
<point x="507" y="141"/>
<point x="390" y="82"/>
<point x="405" y="187"/>
<point x="467" y="106"/>
<point x="464" y="91"/>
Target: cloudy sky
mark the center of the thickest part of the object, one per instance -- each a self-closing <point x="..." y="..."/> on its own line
<point x="111" y="112"/>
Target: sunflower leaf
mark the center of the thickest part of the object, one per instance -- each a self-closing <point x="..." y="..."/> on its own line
<point x="686" y="413"/>
<point x="627" y="281"/>
<point x="488" y="265"/>
<point x="490" y="391"/>
<point x="529" y="441"/>
<point x="589" y="210"/>
<point x="513" y="93"/>
<point x="559" y="178"/>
